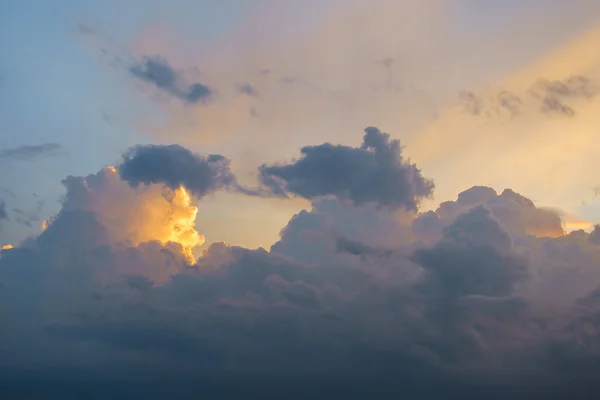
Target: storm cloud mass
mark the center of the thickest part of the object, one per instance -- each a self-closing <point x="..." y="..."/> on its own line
<point x="359" y="295"/>
<point x="375" y="172"/>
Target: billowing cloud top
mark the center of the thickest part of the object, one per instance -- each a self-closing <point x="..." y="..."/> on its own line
<point x="175" y="166"/>
<point x="518" y="214"/>
<point x="375" y="172"/>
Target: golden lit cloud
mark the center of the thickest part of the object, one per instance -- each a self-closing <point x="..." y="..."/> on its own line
<point x="134" y="216"/>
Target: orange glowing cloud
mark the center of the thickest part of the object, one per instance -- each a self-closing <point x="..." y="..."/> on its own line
<point x="134" y="216"/>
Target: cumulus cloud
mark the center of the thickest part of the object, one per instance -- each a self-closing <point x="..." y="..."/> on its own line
<point x="175" y="166"/>
<point x="30" y="152"/>
<point x="474" y="257"/>
<point x="157" y="71"/>
<point x="352" y="292"/>
<point x="375" y="172"/>
<point x="113" y="212"/>
<point x="516" y="213"/>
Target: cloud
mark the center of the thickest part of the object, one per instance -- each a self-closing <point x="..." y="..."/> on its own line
<point x="85" y="30"/>
<point x="176" y="167"/>
<point x="108" y="286"/>
<point x="3" y="213"/>
<point x="357" y="248"/>
<point x="332" y="227"/>
<point x="595" y="235"/>
<point x="475" y="257"/>
<point x="549" y="97"/>
<point x="556" y="95"/>
<point x="29" y="217"/>
<point x="115" y="213"/>
<point x="248" y="89"/>
<point x="485" y="291"/>
<point x="501" y="104"/>
<point x="157" y="71"/>
<point x="30" y="152"/>
<point x="516" y="213"/>
<point x="376" y="173"/>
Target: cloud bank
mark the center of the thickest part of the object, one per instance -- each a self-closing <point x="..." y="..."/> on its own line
<point x="485" y="296"/>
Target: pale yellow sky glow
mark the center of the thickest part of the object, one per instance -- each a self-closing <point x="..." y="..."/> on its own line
<point x="327" y="80"/>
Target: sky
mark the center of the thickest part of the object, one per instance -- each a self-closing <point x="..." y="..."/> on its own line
<point x="206" y="185"/>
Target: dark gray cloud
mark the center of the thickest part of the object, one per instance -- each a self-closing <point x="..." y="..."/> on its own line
<point x="176" y="166"/>
<point x="474" y="257"/>
<point x="157" y="71"/>
<point x="375" y="172"/>
<point x="358" y="248"/>
<point x="30" y="152"/>
<point x="263" y="321"/>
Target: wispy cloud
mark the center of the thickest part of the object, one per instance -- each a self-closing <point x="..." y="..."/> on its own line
<point x="248" y="89"/>
<point x="30" y="152"/>
<point x="3" y="213"/>
<point x="156" y="70"/>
